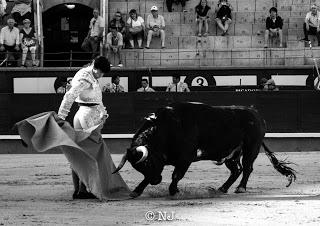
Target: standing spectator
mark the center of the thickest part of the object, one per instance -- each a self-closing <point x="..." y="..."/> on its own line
<point x="95" y="34"/>
<point x="136" y="28"/>
<point x="145" y="86"/>
<point x="311" y="24"/>
<point x="3" y="6"/>
<point x="170" y="2"/>
<point x="155" y="26"/>
<point x="115" y="86"/>
<point x="274" y="25"/>
<point x="10" y="41"/>
<point x="119" y="23"/>
<point x="202" y="10"/>
<point x="21" y="10"/>
<point x="177" y="85"/>
<point x="28" y="42"/>
<point x="223" y="18"/>
<point x="114" y="44"/>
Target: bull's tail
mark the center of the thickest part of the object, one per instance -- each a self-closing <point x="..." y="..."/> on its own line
<point x="281" y="165"/>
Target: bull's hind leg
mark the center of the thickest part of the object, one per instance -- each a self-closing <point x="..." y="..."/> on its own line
<point x="250" y="153"/>
<point x="235" y="168"/>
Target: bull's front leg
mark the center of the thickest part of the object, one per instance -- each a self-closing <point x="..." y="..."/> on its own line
<point x="177" y="175"/>
<point x="139" y="189"/>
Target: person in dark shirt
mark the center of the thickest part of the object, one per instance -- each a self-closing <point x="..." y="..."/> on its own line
<point x="223" y="17"/>
<point x="202" y="10"/>
<point x="274" y="25"/>
<point x="170" y="2"/>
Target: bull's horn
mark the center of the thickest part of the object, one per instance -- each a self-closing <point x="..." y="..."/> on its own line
<point x="144" y="151"/>
<point x="121" y="164"/>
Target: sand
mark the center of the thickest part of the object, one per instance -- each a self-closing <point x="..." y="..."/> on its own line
<point x="37" y="190"/>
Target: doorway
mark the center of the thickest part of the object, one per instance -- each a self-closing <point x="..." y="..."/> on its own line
<point x="64" y="29"/>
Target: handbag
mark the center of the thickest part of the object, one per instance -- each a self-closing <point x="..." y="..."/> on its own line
<point x="85" y="45"/>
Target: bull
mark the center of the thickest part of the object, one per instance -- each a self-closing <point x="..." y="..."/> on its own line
<point x="182" y="133"/>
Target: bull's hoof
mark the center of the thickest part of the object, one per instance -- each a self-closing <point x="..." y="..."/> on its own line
<point x="240" y="190"/>
<point x="83" y="195"/>
<point x="135" y="194"/>
<point x="223" y="190"/>
<point x="173" y="191"/>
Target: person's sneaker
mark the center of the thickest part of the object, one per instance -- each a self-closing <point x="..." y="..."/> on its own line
<point x="120" y="65"/>
<point x="305" y="39"/>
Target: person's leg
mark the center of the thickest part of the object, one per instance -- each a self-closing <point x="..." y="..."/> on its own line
<point x="318" y="37"/>
<point x="169" y="5"/>
<point x="206" y="26"/>
<point x="220" y="25"/>
<point x="139" y="37"/>
<point x="227" y="24"/>
<point x="163" y="38"/>
<point x="266" y="38"/>
<point x="33" y="55"/>
<point x="149" y="38"/>
<point x="280" y="37"/>
<point x="200" y="22"/>
<point x="109" y="49"/>
<point x="120" y="57"/>
<point x="24" y="55"/>
<point x="183" y="4"/>
<point x="305" y="32"/>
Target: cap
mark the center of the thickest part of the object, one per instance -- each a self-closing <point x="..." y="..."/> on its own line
<point x="26" y="21"/>
<point x="154" y="8"/>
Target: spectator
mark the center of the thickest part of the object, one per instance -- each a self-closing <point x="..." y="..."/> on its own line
<point x="177" y="85"/>
<point x="21" y="10"/>
<point x="3" y="6"/>
<point x="268" y="85"/>
<point x="119" y="23"/>
<point x="170" y="2"/>
<point x="311" y="24"/>
<point x="155" y="26"/>
<point x="114" y="44"/>
<point x="95" y="33"/>
<point x="62" y="85"/>
<point x="274" y="25"/>
<point x="136" y="28"/>
<point x="28" y="42"/>
<point x="115" y="86"/>
<point x="224" y="16"/>
<point x="145" y="86"/>
<point x="10" y="41"/>
<point x="202" y="10"/>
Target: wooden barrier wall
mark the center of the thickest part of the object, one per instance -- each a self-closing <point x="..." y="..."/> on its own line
<point x="284" y="111"/>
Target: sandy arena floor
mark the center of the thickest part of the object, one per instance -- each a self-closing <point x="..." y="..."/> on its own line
<point x="37" y="189"/>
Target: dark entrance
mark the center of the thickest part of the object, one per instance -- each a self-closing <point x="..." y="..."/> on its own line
<point x="64" y="30"/>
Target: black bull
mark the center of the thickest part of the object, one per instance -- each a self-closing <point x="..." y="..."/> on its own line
<point x="183" y="133"/>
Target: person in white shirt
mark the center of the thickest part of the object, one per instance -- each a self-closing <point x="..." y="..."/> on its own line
<point x="155" y="25"/>
<point x="136" y="28"/>
<point x="95" y="34"/>
<point x="311" y="24"/>
<point x="177" y="85"/>
<point x="145" y="86"/>
<point x="114" y="44"/>
<point x="3" y="6"/>
<point x="10" y="41"/>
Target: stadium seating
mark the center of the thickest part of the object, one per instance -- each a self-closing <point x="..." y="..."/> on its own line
<point x="242" y="47"/>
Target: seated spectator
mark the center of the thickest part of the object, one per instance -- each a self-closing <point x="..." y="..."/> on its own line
<point x="177" y="85"/>
<point x="114" y="44"/>
<point x="21" y="10"/>
<point x="136" y="28"/>
<point x="145" y="86"/>
<point x="119" y="23"/>
<point x="170" y="2"/>
<point x="202" y="10"/>
<point x="155" y="25"/>
<point x="223" y="17"/>
<point x="3" y="6"/>
<point x="61" y="85"/>
<point x="268" y="85"/>
<point x="311" y="24"/>
<point x="115" y="86"/>
<point x="274" y="25"/>
<point x="28" y="42"/>
<point x="10" y="41"/>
